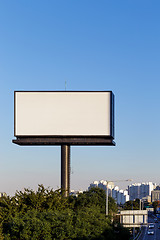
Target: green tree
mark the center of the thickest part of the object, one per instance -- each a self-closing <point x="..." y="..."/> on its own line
<point x="41" y="200"/>
<point x="155" y="205"/>
<point x="94" y="197"/>
<point x="132" y="205"/>
<point x="46" y="214"/>
<point x="112" y="206"/>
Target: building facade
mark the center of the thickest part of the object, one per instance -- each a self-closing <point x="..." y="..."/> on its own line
<point x="140" y="190"/>
<point x="134" y="218"/>
<point x="155" y="196"/>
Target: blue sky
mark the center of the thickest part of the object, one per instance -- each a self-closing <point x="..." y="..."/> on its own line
<point x="93" y="45"/>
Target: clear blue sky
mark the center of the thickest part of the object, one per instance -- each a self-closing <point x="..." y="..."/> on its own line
<point x="93" y="45"/>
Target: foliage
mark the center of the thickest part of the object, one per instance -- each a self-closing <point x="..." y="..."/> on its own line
<point x="155" y="205"/>
<point x="132" y="205"/>
<point x="95" y="196"/>
<point x="112" y="206"/>
<point x="47" y="215"/>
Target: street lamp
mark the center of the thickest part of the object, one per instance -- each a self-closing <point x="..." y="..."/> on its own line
<point x="127" y="180"/>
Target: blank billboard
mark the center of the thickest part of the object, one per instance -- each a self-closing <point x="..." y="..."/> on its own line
<point x="63" y="114"/>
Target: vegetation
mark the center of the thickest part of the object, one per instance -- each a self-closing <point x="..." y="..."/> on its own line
<point x="155" y="205"/>
<point x="46" y="215"/>
<point x="132" y="205"/>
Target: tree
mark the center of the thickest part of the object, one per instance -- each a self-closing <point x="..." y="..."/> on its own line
<point x="155" y="205"/>
<point x="46" y="214"/>
<point x="132" y="205"/>
<point x="94" y="197"/>
<point x="112" y="206"/>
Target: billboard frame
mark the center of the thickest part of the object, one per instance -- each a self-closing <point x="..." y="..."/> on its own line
<point x="64" y="139"/>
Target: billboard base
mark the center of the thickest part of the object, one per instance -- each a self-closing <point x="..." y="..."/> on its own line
<point x="80" y="141"/>
<point x="65" y="170"/>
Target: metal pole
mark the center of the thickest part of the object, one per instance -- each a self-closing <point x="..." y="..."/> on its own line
<point x="133" y="232"/>
<point x="65" y="170"/>
<point x="111" y="192"/>
<point x="133" y="222"/>
<point x="107" y="199"/>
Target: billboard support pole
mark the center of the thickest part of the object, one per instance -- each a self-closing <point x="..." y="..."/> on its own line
<point x="65" y="170"/>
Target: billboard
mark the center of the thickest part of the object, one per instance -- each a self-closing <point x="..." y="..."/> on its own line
<point x="63" y="113"/>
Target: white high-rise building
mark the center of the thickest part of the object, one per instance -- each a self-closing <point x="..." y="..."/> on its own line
<point x="103" y="184"/>
<point x="140" y="190"/>
<point x="119" y="196"/>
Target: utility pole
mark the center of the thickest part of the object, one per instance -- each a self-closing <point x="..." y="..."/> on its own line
<point x="127" y="180"/>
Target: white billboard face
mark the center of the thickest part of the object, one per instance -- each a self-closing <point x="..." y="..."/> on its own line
<point x="63" y="114"/>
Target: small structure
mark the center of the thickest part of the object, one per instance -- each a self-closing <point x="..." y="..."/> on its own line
<point x="150" y="210"/>
<point x="155" y="195"/>
<point x="134" y="218"/>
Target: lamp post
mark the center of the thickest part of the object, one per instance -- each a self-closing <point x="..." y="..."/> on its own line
<point x="140" y="204"/>
<point x="127" y="180"/>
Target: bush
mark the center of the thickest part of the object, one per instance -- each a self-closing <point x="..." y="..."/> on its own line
<point x="46" y="215"/>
